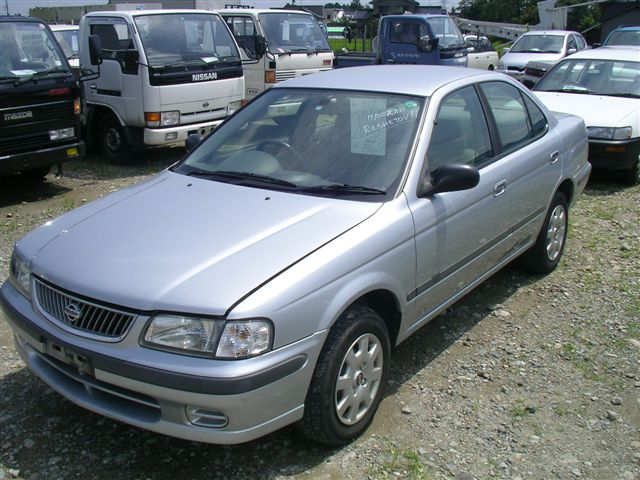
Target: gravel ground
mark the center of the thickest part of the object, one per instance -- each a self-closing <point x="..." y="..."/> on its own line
<point x="527" y="377"/>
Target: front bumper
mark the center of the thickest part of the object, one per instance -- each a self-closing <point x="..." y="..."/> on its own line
<point x="178" y="134"/>
<point x="45" y="157"/>
<point x="614" y="154"/>
<point x="268" y="395"/>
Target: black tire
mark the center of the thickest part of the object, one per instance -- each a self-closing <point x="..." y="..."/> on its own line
<point x="322" y="422"/>
<point x="631" y="177"/>
<point x="114" y="146"/>
<point x="36" y="174"/>
<point x="545" y="254"/>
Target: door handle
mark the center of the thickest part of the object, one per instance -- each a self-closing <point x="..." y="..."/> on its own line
<point x="93" y="86"/>
<point x="554" y="157"/>
<point x="499" y="188"/>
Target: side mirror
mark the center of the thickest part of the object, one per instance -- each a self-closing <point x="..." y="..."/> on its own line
<point x="596" y="45"/>
<point x="192" y="141"/>
<point x="450" y="178"/>
<point x="425" y="44"/>
<point x="470" y="49"/>
<point x="260" y="46"/>
<point x="571" y="51"/>
<point x="131" y="60"/>
<point x="95" y="50"/>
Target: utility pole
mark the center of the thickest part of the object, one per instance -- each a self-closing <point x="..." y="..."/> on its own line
<point x="6" y="6"/>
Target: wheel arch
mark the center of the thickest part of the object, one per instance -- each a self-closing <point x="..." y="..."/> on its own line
<point x="567" y="188"/>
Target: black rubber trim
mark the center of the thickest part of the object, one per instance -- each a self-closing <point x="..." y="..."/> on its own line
<point x="162" y="378"/>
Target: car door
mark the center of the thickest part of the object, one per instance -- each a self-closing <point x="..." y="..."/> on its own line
<point x="119" y="83"/>
<point x="531" y="151"/>
<point x="459" y="235"/>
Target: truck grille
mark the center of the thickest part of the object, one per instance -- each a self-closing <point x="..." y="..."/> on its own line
<point x="81" y="315"/>
<point x="285" y="75"/>
<point x="25" y="143"/>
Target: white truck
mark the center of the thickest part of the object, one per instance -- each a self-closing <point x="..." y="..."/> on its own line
<point x="152" y="78"/>
<point x="296" y="45"/>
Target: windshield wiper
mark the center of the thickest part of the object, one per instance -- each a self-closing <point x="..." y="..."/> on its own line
<point x="343" y="188"/>
<point x="235" y="175"/>
<point x="41" y="75"/>
<point x="186" y="61"/>
<point x="569" y="90"/>
<point x="620" y="94"/>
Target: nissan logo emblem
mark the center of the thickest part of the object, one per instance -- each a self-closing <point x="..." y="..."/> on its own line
<point x="205" y="104"/>
<point x="72" y="312"/>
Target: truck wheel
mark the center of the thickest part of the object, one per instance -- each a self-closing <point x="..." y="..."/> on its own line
<point x="36" y="174"/>
<point x="349" y="378"/>
<point x="545" y="254"/>
<point x="113" y="142"/>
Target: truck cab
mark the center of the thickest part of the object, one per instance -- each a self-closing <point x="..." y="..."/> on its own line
<point x="296" y="45"/>
<point x="160" y="76"/>
<point x="420" y="39"/>
<point x="39" y="100"/>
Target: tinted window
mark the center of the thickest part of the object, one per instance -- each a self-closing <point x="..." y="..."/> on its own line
<point x="460" y="133"/>
<point x="509" y="113"/>
<point x="538" y="120"/>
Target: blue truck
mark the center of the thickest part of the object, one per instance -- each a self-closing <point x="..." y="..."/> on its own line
<point x="412" y="39"/>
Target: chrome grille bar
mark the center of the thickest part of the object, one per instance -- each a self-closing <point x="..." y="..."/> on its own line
<point x="81" y="316"/>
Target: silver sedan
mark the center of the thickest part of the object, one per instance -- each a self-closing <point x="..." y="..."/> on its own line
<point x="263" y="279"/>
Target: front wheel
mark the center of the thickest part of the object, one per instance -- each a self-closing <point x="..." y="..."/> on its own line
<point x="545" y="254"/>
<point x="349" y="378"/>
<point x="113" y="142"/>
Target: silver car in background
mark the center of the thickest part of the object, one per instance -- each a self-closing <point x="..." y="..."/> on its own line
<point x="539" y="46"/>
<point x="263" y="279"/>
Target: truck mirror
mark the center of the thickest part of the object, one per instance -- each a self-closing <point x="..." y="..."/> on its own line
<point x="425" y="44"/>
<point x="192" y="141"/>
<point x="260" y="46"/>
<point x="131" y="59"/>
<point x="95" y="50"/>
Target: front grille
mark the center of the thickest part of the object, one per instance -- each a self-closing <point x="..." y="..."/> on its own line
<point x="285" y="75"/>
<point x="81" y="315"/>
<point x="23" y="143"/>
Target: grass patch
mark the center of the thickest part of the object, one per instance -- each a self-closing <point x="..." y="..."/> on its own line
<point x="404" y="463"/>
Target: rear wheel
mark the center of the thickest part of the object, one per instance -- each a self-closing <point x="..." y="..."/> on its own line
<point x="113" y="143"/>
<point x="545" y="254"/>
<point x="349" y="378"/>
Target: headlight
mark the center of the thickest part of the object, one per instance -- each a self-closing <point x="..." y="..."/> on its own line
<point x="610" y="133"/>
<point x="61" y="134"/>
<point x="20" y="275"/>
<point x="162" y="119"/>
<point x="235" y="339"/>
<point x="233" y="107"/>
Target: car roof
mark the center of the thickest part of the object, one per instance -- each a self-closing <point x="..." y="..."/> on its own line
<point x="628" y="28"/>
<point x="628" y="53"/>
<point x="138" y="13"/>
<point x="548" y="32"/>
<point x="227" y="11"/>
<point x="60" y="27"/>
<point x="19" y="18"/>
<point x="419" y="80"/>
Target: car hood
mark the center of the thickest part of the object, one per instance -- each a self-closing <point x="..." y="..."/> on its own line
<point x="521" y="59"/>
<point x="596" y="110"/>
<point x="184" y="244"/>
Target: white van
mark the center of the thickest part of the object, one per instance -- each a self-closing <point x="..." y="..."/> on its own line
<point x="296" y="45"/>
<point x="158" y="76"/>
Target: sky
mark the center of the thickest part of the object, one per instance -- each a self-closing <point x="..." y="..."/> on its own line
<point x="23" y="6"/>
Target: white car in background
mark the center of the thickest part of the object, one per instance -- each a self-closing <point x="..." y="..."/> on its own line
<point x="543" y="45"/>
<point x="603" y="87"/>
<point x="481" y="53"/>
<point x="67" y="37"/>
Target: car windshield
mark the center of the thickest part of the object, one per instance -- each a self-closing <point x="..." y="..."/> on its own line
<point x="624" y="37"/>
<point x="538" y="44"/>
<point x="68" y="40"/>
<point x="186" y="38"/>
<point x="293" y="32"/>
<point x="446" y="30"/>
<point x="597" y="77"/>
<point x="320" y="142"/>
<point x="29" y="51"/>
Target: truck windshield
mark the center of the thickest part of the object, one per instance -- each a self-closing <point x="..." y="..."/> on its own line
<point x="313" y="141"/>
<point x="29" y="51"/>
<point x="446" y="30"/>
<point x="68" y="40"/>
<point x="183" y="39"/>
<point x="293" y="32"/>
